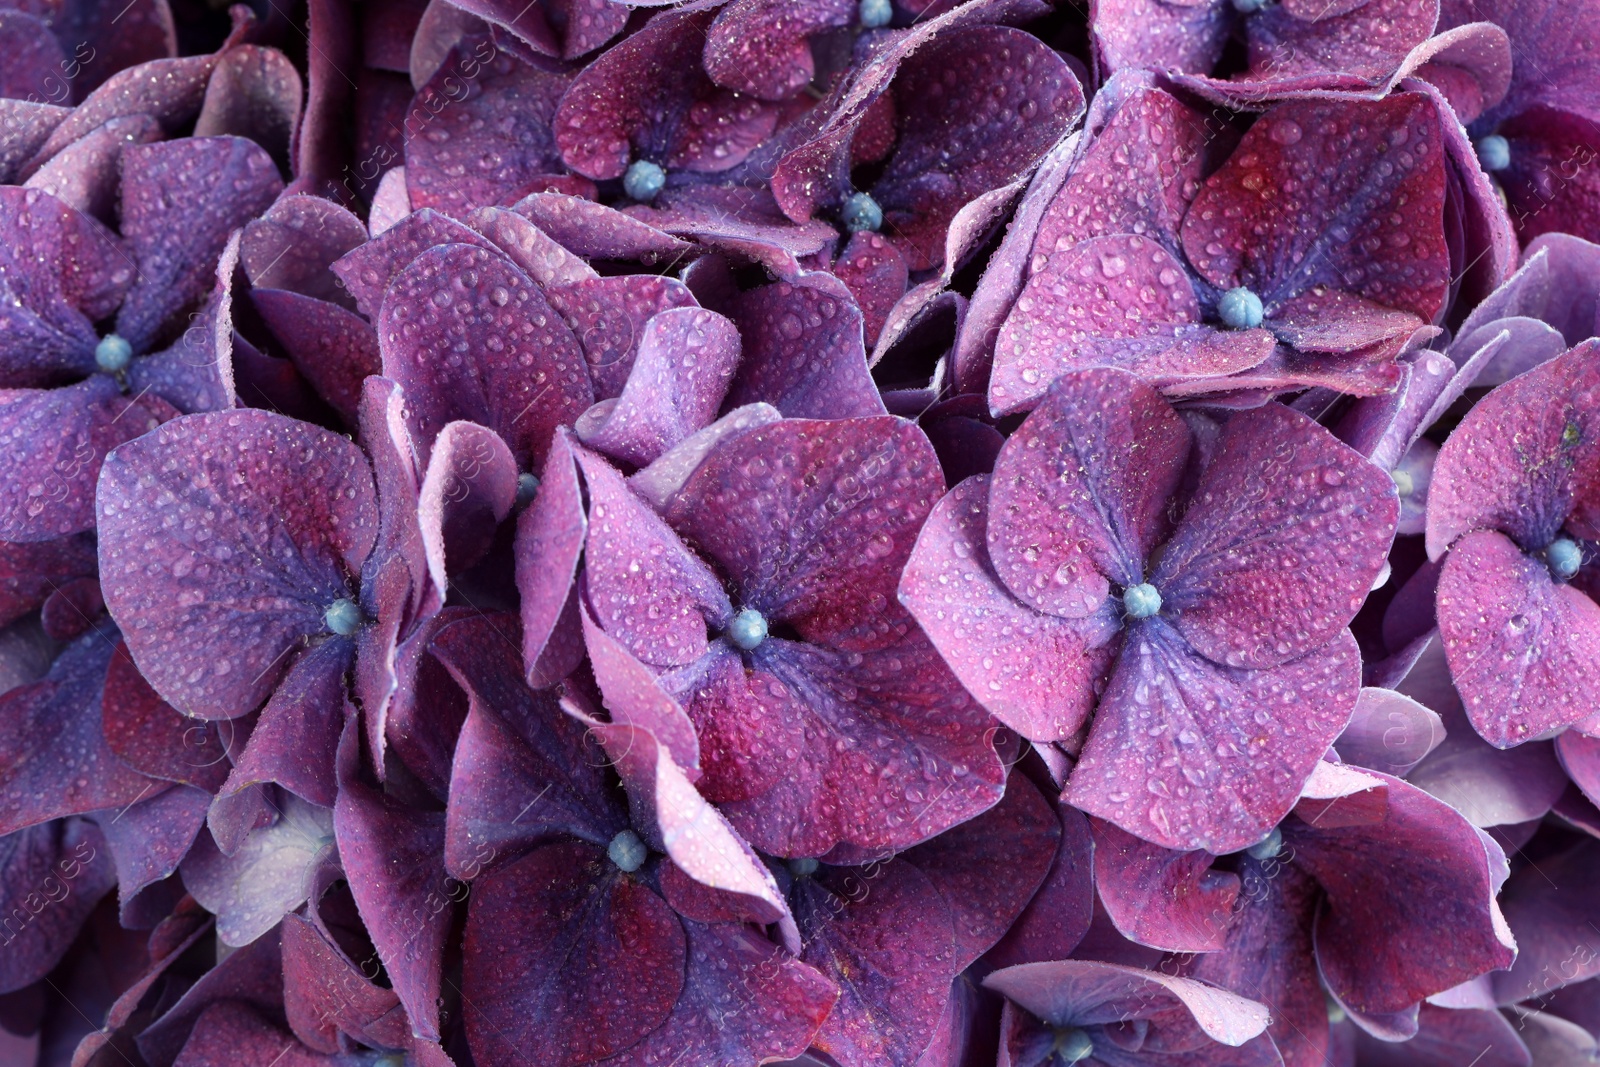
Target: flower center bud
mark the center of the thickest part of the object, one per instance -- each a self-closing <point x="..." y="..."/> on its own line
<point x="748" y="629"/>
<point x="1249" y="7"/>
<point x="1494" y="152"/>
<point x="343" y="617"/>
<point x="1564" y="556"/>
<point x="643" y="180"/>
<point x="1240" y="309"/>
<point x="1072" y="1045"/>
<point x="876" y="14"/>
<point x="803" y="867"/>
<point x="627" y="851"/>
<point x="527" y="489"/>
<point x="861" y="212"/>
<point x="113" y="354"/>
<point x="1404" y="484"/>
<point x="1141" y="601"/>
<point x="1268" y="846"/>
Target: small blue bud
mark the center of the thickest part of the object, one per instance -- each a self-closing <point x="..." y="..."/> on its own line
<point x="748" y="629"/>
<point x="1072" y="1045"/>
<point x="875" y="14"/>
<point x="1249" y="7"/>
<point x="1494" y="152"/>
<point x="527" y="489"/>
<point x="627" y="851"/>
<point x="643" y="180"/>
<point x="1141" y="601"/>
<point x="113" y="354"/>
<point x="861" y="212"/>
<point x="1240" y="309"/>
<point x="1268" y="846"/>
<point x="1564" y="556"/>
<point x="343" y="617"/>
<point x="802" y="867"/>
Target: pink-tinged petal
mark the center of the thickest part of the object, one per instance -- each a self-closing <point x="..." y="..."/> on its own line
<point x="1389" y="732"/>
<point x="27" y="127"/>
<point x="1036" y="673"/>
<point x="1580" y="758"/>
<point x="1285" y="515"/>
<point x="1118" y="301"/>
<point x="646" y="588"/>
<point x="1079" y="496"/>
<point x="294" y="245"/>
<point x="549" y="542"/>
<point x="34" y="59"/>
<point x="335" y="349"/>
<point x="31" y="570"/>
<point x="1250" y="735"/>
<point x="1550" y="185"/>
<point x="72" y="609"/>
<point x="326" y="995"/>
<point x="515" y="367"/>
<point x="1519" y="460"/>
<point x="635" y="699"/>
<point x="36" y="866"/>
<point x="256" y="93"/>
<point x="149" y="735"/>
<point x="763" y="47"/>
<point x="649" y="94"/>
<point x="60" y="439"/>
<point x="85" y="175"/>
<point x="1299" y="41"/>
<point x="1182" y="1012"/>
<point x="609" y="316"/>
<point x="589" y="23"/>
<point x="169" y="90"/>
<point x="180" y="201"/>
<point x="236" y="1034"/>
<point x="1448" y="1037"/>
<point x="885" y="936"/>
<point x="1169" y="900"/>
<point x="804" y="351"/>
<point x="1183" y="35"/>
<point x="297" y="737"/>
<point x="1552" y="912"/>
<point x="62" y="270"/>
<point x="988" y="869"/>
<point x="681" y="371"/>
<point x="219" y="566"/>
<point x="745" y="720"/>
<point x="149" y="839"/>
<point x="1059" y="915"/>
<point x="525" y="22"/>
<point x="876" y="275"/>
<point x="1520" y="645"/>
<point x="568" y="959"/>
<point x="367" y="269"/>
<point x="1283" y="174"/>
<point x="488" y="138"/>
<point x="595" y="231"/>
<point x="469" y="489"/>
<point x="1338" y="323"/>
<point x="252" y="975"/>
<point x="658" y="482"/>
<point x="530" y="248"/>
<point x="268" y="877"/>
<point x="1394" y="888"/>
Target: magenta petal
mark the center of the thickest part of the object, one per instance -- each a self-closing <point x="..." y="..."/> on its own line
<point x="804" y="352"/>
<point x="1186" y="36"/>
<point x="1073" y="502"/>
<point x="1284" y="514"/>
<point x="488" y="135"/>
<point x="762" y="47"/>
<point x="530" y="248"/>
<point x="176" y="220"/>
<point x="1157" y="897"/>
<point x="235" y="1033"/>
<point x="31" y="570"/>
<point x="568" y="960"/>
<point x="595" y="231"/>
<point x="549" y="542"/>
<point x="876" y="275"/>
<point x="209" y="621"/>
<point x="326" y="995"/>
<point x="1059" y="915"/>
<point x="1520" y="646"/>
<point x="1553" y="914"/>
<point x="1488" y="785"/>
<point x="268" y="877"/>
<point x="253" y="975"/>
<point x="468" y="491"/>
<point x="650" y="94"/>
<point x="1207" y="709"/>
<point x="295" y="243"/>
<point x="56" y="873"/>
<point x="297" y="737"/>
<point x="1372" y="935"/>
<point x="635" y="699"/>
<point x="50" y="492"/>
<point x="1446" y="1038"/>
<point x="685" y="360"/>
<point x="609" y="316"/>
<point x="518" y="370"/>
<point x="367" y="269"/>
<point x="335" y="349"/>
<point x="1036" y="673"/>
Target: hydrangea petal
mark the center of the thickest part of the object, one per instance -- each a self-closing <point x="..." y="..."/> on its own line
<point x="595" y="231"/>
<point x="1058" y="917"/>
<point x="609" y="316"/>
<point x="1552" y="913"/>
<point x="325" y="995"/>
<point x="1157" y="897"/>
<point x="149" y="839"/>
<point x="85" y="175"/>
<point x="335" y="349"/>
<point x="469" y="489"/>
<point x="762" y="47"/>
<point x="294" y="245"/>
<point x="1389" y="732"/>
<point x="250" y="552"/>
<point x="295" y="740"/>
<point x="31" y="570"/>
<point x="1445" y="1037"/>
<point x="367" y="269"/>
<point x="804" y="352"/>
<point x="69" y="858"/>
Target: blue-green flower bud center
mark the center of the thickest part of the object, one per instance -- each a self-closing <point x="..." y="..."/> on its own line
<point x="1249" y="7"/>
<point x="1494" y="152"/>
<point x="861" y="212"/>
<point x="113" y="354"/>
<point x="876" y="14"/>
<point x="343" y="617"/>
<point x="1564" y="556"/>
<point x="748" y="629"/>
<point x="627" y="851"/>
<point x="1240" y="309"/>
<point x="527" y="489"/>
<point x="1268" y="846"/>
<point x="1141" y="601"/>
<point x="643" y="180"/>
<point x="1072" y="1045"/>
<point x="802" y="866"/>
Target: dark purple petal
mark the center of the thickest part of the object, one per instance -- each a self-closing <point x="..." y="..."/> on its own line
<point x="1284" y="515"/>
<point x="1181" y="34"/>
<point x="367" y="269"/>
<point x="148" y="840"/>
<point x="218" y="566"/>
<point x="268" y="877"/>
<point x="27" y="127"/>
<point x="30" y="570"/>
<point x="295" y="243"/>
<point x="1580" y="758"/>
<point x="297" y="736"/>
<point x="335" y="349"/>
<point x="180" y="201"/>
<point x="595" y="231"/>
<point x="762" y="47"/>
<point x="255" y="93"/>
<point x="85" y="175"/>
<point x="1080" y="495"/>
<point x="550" y="539"/>
<point x="326" y="995"/>
<point x="1552" y="912"/>
<point x="876" y="275"/>
<point x="804" y="352"/>
<point x="254" y="975"/>
<point x="169" y="90"/>
<point x="1446" y="1038"/>
<point x="609" y="315"/>
<point x="1169" y="900"/>
<point x="535" y="251"/>
<point x="1221" y="728"/>
<point x="1059" y="915"/>
<point x="1036" y="673"/>
<point x="681" y="371"/>
<point x="234" y="1033"/>
<point x="514" y="366"/>
<point x="53" y="875"/>
<point x="33" y="56"/>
